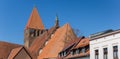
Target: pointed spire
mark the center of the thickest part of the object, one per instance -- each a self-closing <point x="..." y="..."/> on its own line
<point x="56" y="17"/>
<point x="34" y="20"/>
<point x="56" y="21"/>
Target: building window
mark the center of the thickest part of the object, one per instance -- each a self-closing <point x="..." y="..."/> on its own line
<point x="105" y="53"/>
<point x="64" y="53"/>
<point x="83" y="50"/>
<point x="96" y="54"/>
<point x="72" y="53"/>
<point x="42" y="32"/>
<point x="32" y="32"/>
<point x="77" y="51"/>
<point x="38" y="33"/>
<point x="115" y="52"/>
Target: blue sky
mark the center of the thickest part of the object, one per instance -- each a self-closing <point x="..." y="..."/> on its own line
<point x="89" y="16"/>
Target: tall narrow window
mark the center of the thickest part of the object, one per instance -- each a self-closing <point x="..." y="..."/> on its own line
<point x="105" y="53"/>
<point x="115" y="52"/>
<point x="38" y="33"/>
<point x="96" y="54"/>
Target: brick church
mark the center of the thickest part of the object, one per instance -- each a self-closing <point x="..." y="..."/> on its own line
<point x="40" y="43"/>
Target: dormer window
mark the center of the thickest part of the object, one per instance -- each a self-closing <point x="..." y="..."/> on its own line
<point x="83" y="50"/>
<point x="46" y="42"/>
<point x="64" y="53"/>
<point x="72" y="53"/>
<point x="40" y="51"/>
<point x="52" y="35"/>
<point x="77" y="51"/>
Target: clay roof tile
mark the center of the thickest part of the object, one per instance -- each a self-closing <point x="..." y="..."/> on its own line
<point x="5" y="49"/>
<point x="34" y="20"/>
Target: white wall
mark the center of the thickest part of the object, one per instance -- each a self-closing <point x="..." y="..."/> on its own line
<point x="109" y="42"/>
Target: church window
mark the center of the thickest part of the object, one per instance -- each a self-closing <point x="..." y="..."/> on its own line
<point x="42" y="32"/>
<point x="38" y="33"/>
<point x="32" y="32"/>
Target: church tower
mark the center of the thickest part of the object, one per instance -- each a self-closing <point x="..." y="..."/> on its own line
<point x="33" y="29"/>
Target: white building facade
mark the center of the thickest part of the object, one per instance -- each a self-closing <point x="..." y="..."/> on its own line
<point x="105" y="45"/>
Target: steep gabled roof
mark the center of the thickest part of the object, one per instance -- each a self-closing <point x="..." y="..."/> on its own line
<point x="84" y="42"/>
<point x="16" y="51"/>
<point x="5" y="49"/>
<point x="57" y="42"/>
<point x="34" y="20"/>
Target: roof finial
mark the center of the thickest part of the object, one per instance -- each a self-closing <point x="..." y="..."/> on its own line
<point x="56" y="17"/>
<point x="56" y="21"/>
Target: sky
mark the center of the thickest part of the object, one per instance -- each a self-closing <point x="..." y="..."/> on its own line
<point x="89" y="16"/>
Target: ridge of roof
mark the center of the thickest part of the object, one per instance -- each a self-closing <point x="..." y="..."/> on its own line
<point x="14" y="52"/>
<point x="69" y="31"/>
<point x="34" y="21"/>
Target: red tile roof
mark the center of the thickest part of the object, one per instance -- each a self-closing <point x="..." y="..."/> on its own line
<point x="40" y="41"/>
<point x="14" y="52"/>
<point x="57" y="42"/>
<point x="84" y="42"/>
<point x="34" y="20"/>
<point x="5" y="49"/>
<point x="77" y="43"/>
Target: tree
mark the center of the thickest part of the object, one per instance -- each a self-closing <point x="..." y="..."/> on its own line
<point x="77" y="32"/>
